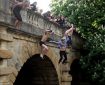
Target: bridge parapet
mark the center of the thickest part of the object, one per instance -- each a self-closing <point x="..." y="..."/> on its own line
<point x="33" y="23"/>
<point x="39" y="21"/>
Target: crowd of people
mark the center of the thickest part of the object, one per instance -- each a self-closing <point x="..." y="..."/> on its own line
<point x="18" y="5"/>
<point x="60" y="20"/>
<point x="63" y="43"/>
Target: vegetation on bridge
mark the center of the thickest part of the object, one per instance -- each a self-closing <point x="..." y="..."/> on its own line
<point x="89" y="18"/>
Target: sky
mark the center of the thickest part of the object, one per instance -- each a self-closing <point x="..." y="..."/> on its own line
<point x="42" y="4"/>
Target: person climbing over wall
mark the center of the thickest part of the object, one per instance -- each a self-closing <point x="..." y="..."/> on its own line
<point x="63" y="54"/>
<point x="68" y="34"/>
<point x="42" y="43"/>
<point x="16" y="11"/>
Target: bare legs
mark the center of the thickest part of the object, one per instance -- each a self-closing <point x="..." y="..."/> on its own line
<point x="44" y="50"/>
<point x="18" y="24"/>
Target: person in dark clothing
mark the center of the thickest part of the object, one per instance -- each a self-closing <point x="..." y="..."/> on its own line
<point x="47" y="15"/>
<point x="68" y="40"/>
<point x="62" y="47"/>
<point x="16" y="11"/>
<point x="33" y="6"/>
<point x="61" y="21"/>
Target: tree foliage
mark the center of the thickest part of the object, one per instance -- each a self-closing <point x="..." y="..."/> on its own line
<point x="89" y="18"/>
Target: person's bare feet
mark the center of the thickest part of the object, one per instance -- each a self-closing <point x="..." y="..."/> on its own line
<point x="41" y="55"/>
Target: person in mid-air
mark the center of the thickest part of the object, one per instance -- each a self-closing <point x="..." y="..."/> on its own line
<point x="42" y="43"/>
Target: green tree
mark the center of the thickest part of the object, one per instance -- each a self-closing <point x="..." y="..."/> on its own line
<point x="89" y="18"/>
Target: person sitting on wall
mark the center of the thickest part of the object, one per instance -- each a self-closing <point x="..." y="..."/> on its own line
<point x="33" y="6"/>
<point x="42" y="43"/>
<point x="68" y="34"/>
<point x="61" y="21"/>
<point x="16" y="11"/>
<point x="63" y="54"/>
<point x="47" y="15"/>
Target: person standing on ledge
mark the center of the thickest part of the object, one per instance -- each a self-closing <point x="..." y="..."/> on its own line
<point x="44" y="48"/>
<point x="16" y="11"/>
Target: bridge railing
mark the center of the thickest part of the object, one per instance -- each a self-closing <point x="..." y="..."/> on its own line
<point x="40" y="22"/>
<point x="33" y="23"/>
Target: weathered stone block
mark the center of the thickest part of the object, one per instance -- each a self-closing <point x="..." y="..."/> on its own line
<point x="12" y="78"/>
<point x="5" y="54"/>
<point x="5" y="83"/>
<point x="65" y="67"/>
<point x="14" y="71"/>
<point x="66" y="83"/>
<point x="6" y="37"/>
<point x="3" y="79"/>
<point x="66" y="77"/>
<point x="5" y="70"/>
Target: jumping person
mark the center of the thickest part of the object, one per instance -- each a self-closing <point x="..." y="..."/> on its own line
<point x="16" y="11"/>
<point x="42" y="43"/>
<point x="62" y="46"/>
<point x="68" y="35"/>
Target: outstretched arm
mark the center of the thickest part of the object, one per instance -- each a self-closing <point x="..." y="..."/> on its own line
<point x="69" y="30"/>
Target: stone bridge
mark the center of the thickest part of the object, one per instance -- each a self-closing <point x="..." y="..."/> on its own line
<point x="20" y="61"/>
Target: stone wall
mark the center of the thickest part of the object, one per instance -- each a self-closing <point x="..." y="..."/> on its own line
<point x="16" y="48"/>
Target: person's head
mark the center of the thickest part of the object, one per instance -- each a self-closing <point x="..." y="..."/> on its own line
<point x="48" y="31"/>
<point x="63" y="39"/>
<point x="61" y="17"/>
<point x="35" y="3"/>
<point x="40" y="11"/>
<point x="68" y="27"/>
<point x="48" y="12"/>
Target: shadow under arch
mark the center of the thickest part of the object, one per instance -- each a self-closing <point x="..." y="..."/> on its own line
<point x="37" y="71"/>
<point x="75" y="71"/>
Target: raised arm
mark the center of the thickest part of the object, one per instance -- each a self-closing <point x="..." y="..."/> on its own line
<point x="70" y="30"/>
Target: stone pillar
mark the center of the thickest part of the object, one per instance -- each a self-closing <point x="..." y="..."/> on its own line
<point x="5" y="54"/>
<point x="66" y="77"/>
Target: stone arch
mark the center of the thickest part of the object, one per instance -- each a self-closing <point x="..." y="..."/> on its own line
<point x="37" y="71"/>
